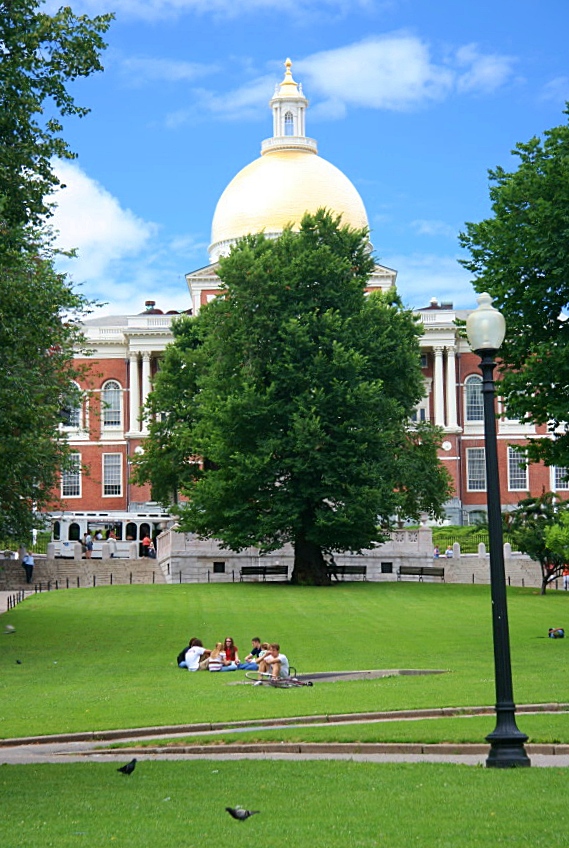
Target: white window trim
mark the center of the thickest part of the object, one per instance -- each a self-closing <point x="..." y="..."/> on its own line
<point x="80" y="463"/>
<point x="514" y="454"/>
<point x="103" y="474"/>
<point x="553" y="485"/>
<point x="468" y="487"/>
<point x="111" y="430"/>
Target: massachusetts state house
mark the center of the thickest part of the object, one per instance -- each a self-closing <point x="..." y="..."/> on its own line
<point x="288" y="179"/>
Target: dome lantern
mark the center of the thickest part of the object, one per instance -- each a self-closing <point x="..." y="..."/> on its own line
<point x="289" y="107"/>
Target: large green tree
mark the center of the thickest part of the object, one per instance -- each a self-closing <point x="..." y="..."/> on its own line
<point x="38" y="335"/>
<point x="521" y="257"/>
<point x="39" y="311"/>
<point x="296" y="390"/>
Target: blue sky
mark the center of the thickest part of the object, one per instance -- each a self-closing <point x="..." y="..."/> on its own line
<point x="413" y="100"/>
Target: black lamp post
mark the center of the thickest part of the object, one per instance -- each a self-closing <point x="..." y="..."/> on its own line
<point x="486" y="329"/>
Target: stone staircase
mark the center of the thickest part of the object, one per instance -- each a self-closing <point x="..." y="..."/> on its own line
<point x="72" y="574"/>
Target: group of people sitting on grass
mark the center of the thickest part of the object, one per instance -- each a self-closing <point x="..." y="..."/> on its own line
<point x="264" y="657"/>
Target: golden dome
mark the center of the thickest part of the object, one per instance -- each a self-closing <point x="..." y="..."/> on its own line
<point x="277" y="189"/>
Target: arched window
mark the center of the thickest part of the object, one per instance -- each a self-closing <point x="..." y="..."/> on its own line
<point x="288" y="124"/>
<point x="111" y="404"/>
<point x="74" y="533"/>
<point x="71" y="412"/>
<point x="56" y="531"/>
<point x="473" y="398"/>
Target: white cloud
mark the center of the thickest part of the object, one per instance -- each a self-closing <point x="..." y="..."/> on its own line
<point x="140" y="69"/>
<point x="422" y="276"/>
<point x="91" y="220"/>
<point x="245" y="103"/>
<point x="395" y="71"/>
<point x="122" y="260"/>
<point x="484" y="73"/>
<point x="556" y="90"/>
<point x="434" y="228"/>
<point x="384" y="72"/>
<point x="154" y="9"/>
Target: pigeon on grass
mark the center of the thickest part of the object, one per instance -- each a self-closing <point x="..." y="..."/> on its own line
<point x="9" y="629"/>
<point x="240" y="814"/>
<point x="128" y="768"/>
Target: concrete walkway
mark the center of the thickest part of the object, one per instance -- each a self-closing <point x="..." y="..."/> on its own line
<point x="84" y="747"/>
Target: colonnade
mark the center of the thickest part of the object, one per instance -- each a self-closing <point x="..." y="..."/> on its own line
<point x="138" y="390"/>
<point x="444" y="390"/>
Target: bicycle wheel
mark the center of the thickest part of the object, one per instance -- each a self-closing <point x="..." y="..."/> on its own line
<point x="282" y="682"/>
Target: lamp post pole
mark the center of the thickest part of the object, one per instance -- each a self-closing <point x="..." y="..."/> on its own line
<point x="486" y="330"/>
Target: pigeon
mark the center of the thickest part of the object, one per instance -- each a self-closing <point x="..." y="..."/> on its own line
<point x="9" y="629"/>
<point x="239" y="814"/>
<point x="128" y="768"/>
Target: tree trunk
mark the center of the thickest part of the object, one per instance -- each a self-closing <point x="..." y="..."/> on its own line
<point x="309" y="564"/>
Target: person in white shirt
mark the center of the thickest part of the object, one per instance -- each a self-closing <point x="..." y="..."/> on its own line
<point x="275" y="662"/>
<point x="197" y="657"/>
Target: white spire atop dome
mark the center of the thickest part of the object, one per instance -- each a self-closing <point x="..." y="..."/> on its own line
<point x="288" y="105"/>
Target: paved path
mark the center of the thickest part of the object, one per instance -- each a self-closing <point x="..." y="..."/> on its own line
<point x="72" y="749"/>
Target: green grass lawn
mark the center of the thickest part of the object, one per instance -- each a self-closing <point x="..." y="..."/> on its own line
<point x="317" y="804"/>
<point x="104" y="658"/>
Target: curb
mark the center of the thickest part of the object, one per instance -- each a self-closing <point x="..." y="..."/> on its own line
<point x="208" y="727"/>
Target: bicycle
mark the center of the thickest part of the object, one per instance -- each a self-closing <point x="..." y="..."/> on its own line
<point x="265" y="678"/>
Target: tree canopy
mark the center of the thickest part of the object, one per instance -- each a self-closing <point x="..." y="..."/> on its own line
<point x="283" y="408"/>
<point x="41" y="54"/>
<point x="39" y="310"/>
<point x="521" y="257"/>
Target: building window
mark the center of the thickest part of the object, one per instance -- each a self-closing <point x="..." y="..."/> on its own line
<point x="560" y="479"/>
<point x="517" y="472"/>
<point x="477" y="516"/>
<point x="419" y="414"/>
<point x="474" y="401"/>
<point x="288" y="124"/>
<point x="71" y="414"/>
<point x="423" y="360"/>
<point x="111" y="401"/>
<point x="476" y="469"/>
<point x="71" y="478"/>
<point x="112" y="474"/>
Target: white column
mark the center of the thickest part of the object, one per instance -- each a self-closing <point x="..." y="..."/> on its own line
<point x="439" y="388"/>
<point x="145" y="384"/>
<point x="451" y="388"/>
<point x="134" y="394"/>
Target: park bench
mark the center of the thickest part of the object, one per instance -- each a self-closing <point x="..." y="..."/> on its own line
<point x="347" y="571"/>
<point x="421" y="571"/>
<point x="263" y="571"/>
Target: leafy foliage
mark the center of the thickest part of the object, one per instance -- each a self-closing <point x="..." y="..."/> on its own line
<point x="530" y="525"/>
<point x="521" y="256"/>
<point x="41" y="53"/>
<point x="39" y="310"/>
<point x="36" y="352"/>
<point x="296" y="390"/>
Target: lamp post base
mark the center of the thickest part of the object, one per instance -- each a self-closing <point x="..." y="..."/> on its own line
<point x="507" y="749"/>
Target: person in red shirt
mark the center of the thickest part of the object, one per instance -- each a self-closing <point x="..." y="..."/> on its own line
<point x="230" y="655"/>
